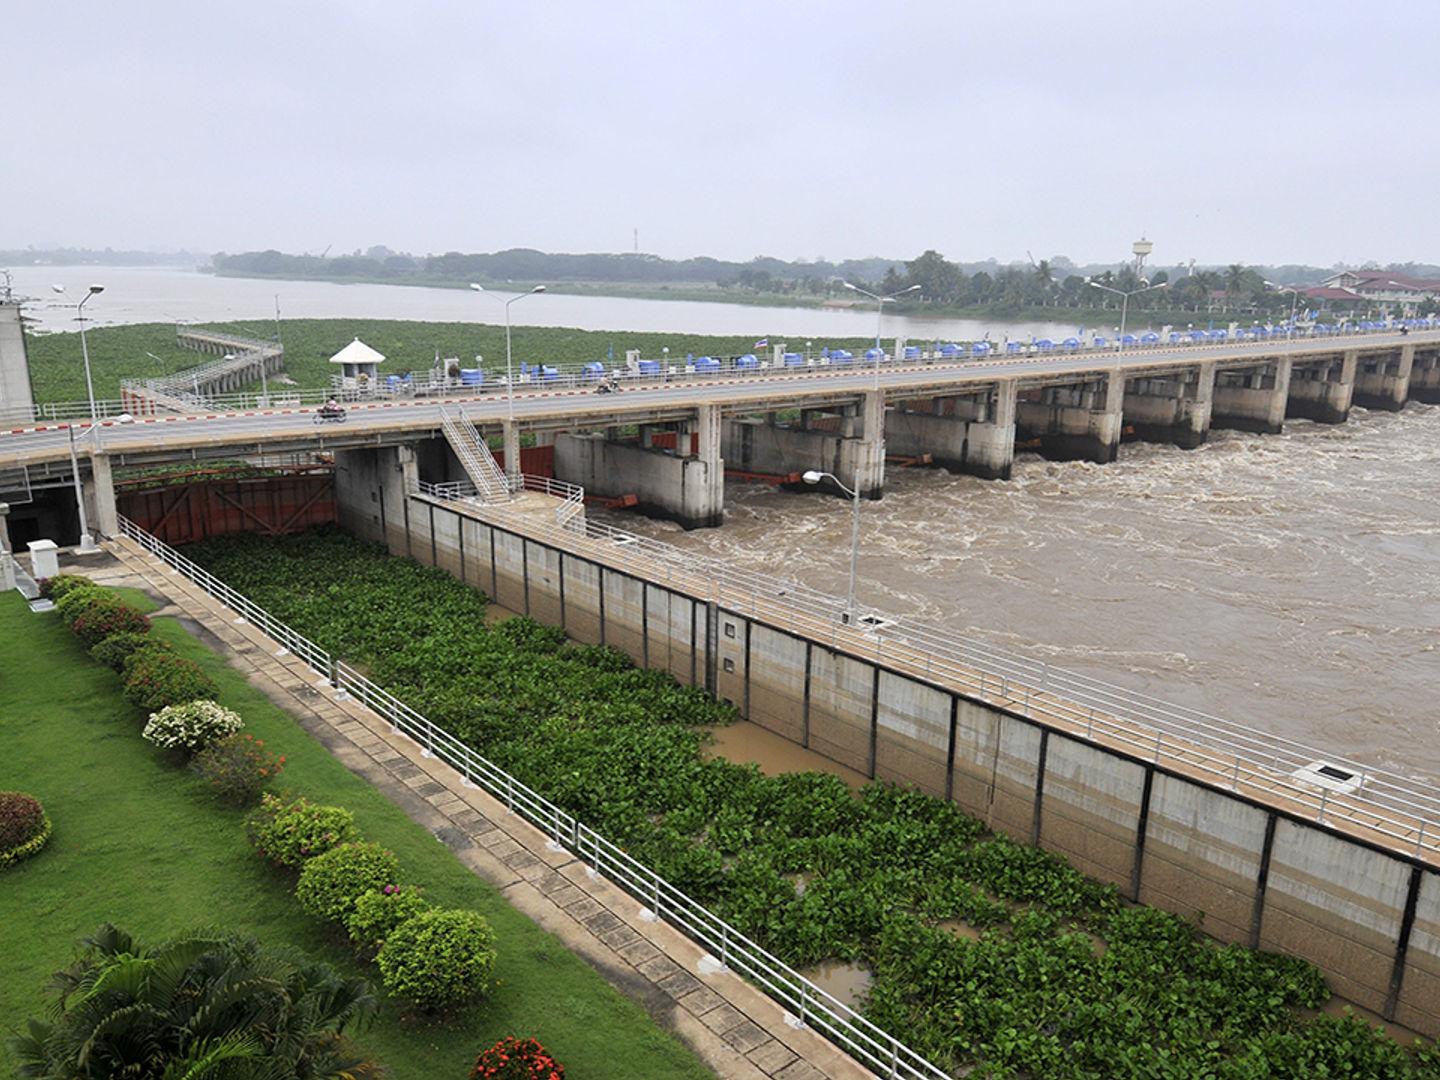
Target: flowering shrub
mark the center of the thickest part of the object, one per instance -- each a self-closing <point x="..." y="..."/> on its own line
<point x="99" y="621"/>
<point x="191" y="726"/>
<point x="82" y="598"/>
<point x="237" y="768"/>
<point x="24" y="828"/>
<point x="155" y="678"/>
<point x="289" y="833"/>
<point x="517" y="1059"/>
<point x="61" y="585"/>
<point x="378" y="912"/>
<point x="114" y="650"/>
<point x="331" y="882"/>
<point x="438" y="959"/>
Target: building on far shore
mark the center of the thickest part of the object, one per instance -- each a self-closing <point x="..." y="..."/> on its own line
<point x="1382" y="290"/>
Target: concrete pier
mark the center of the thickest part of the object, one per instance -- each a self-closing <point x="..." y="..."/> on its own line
<point x="849" y="443"/>
<point x="1323" y="390"/>
<point x="1078" y="421"/>
<point x="672" y="484"/>
<point x="1252" y="399"/>
<point x="1172" y="408"/>
<point x="1383" y="381"/>
<point x="973" y="434"/>
<point x="1425" y="377"/>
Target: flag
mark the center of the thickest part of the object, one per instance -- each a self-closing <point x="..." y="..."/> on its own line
<point x="610" y="353"/>
<point x="763" y="343"/>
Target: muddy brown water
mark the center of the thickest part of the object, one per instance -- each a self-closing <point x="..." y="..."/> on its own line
<point x="1288" y="582"/>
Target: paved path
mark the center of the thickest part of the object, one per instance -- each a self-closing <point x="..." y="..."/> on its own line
<point x="734" y="1028"/>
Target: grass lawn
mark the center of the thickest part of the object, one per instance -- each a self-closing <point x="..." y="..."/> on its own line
<point x="137" y="844"/>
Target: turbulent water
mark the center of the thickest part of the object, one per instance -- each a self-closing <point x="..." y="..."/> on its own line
<point x="1290" y="582"/>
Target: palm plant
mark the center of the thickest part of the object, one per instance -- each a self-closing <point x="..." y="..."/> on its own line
<point x="206" y="1006"/>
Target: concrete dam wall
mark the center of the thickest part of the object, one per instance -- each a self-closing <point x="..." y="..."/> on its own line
<point x="1248" y="869"/>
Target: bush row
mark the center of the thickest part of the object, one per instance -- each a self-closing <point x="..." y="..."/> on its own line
<point x="438" y="959"/>
<point x="118" y="635"/>
<point x="435" y="958"/>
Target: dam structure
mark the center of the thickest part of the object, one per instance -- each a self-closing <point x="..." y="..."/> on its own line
<point x="1260" y="840"/>
<point x="666" y="441"/>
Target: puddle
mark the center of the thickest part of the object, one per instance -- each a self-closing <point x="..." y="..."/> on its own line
<point x="846" y="983"/>
<point x="746" y="743"/>
<point x="960" y="928"/>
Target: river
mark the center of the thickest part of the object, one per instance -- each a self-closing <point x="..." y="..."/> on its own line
<point x="1291" y="582"/>
<point x="167" y="294"/>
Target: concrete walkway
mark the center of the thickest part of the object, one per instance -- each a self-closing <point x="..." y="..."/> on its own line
<point x="735" y="1029"/>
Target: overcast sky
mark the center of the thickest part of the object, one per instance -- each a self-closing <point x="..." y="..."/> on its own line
<point x="1247" y="130"/>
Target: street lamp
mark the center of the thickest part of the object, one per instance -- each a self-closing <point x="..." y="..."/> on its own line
<point x="84" y="348"/>
<point x="87" y="542"/>
<point x="1125" y="302"/>
<point x="1294" y="301"/>
<point x="880" y="302"/>
<point x="509" y="376"/>
<point x="814" y="476"/>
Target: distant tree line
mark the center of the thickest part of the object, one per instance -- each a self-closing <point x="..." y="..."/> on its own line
<point x="1056" y="282"/>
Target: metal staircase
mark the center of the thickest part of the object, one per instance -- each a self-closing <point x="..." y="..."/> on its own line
<point x="491" y="484"/>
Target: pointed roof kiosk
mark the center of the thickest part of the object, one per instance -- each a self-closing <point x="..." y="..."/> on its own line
<point x="359" y="364"/>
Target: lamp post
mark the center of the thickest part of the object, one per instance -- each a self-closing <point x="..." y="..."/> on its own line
<point x="509" y="376"/>
<point x="84" y="347"/>
<point x="87" y="542"/>
<point x="814" y="476"/>
<point x="1124" y="302"/>
<point x="880" y="302"/>
<point x="1294" y="302"/>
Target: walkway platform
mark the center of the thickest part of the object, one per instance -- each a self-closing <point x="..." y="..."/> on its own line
<point x="734" y="1028"/>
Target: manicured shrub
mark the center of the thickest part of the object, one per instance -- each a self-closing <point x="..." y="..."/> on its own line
<point x="81" y="599"/>
<point x="288" y="833"/>
<point x="61" y="585"/>
<point x="439" y="959"/>
<point x="517" y="1059"/>
<point x="237" y="769"/>
<point x="191" y="726"/>
<point x="332" y="881"/>
<point x="157" y="678"/>
<point x="114" y="650"/>
<point x="100" y="621"/>
<point x="149" y="646"/>
<point x="24" y="828"/>
<point x="378" y="912"/>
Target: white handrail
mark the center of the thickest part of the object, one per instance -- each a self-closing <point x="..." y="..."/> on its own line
<point x="862" y="1039"/>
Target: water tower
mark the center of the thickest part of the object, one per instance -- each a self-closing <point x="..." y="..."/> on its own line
<point x="1141" y="250"/>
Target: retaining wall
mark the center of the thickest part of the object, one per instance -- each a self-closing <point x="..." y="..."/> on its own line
<point x="1244" y="870"/>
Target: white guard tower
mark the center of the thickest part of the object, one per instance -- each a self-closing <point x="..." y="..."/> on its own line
<point x="359" y="365"/>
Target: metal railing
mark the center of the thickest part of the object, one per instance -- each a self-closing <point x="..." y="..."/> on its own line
<point x="679" y="373"/>
<point x="808" y="1003"/>
<point x="1400" y="812"/>
<point x="475" y="457"/>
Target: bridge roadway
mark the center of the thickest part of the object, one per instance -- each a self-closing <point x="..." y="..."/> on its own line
<point x="647" y="400"/>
